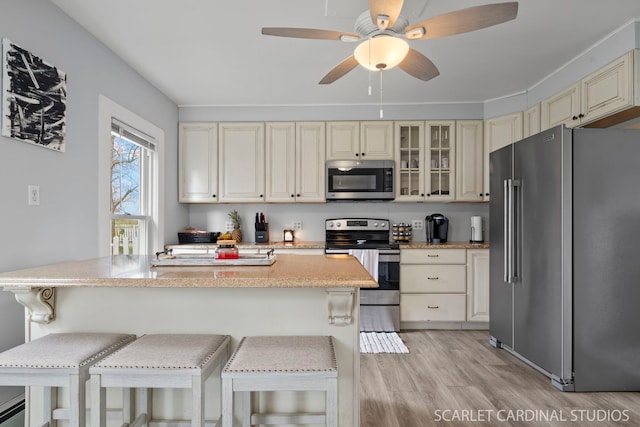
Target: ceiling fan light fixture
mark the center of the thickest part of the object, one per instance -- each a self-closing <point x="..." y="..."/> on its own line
<point x="381" y="53"/>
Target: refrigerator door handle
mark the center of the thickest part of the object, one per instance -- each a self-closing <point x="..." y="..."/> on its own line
<point x="514" y="235"/>
<point x="505" y="231"/>
<point x="510" y="220"/>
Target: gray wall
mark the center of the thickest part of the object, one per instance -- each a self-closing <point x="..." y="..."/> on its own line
<point x="64" y="226"/>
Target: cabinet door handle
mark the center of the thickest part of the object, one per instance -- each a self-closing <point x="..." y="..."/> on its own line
<point x="433" y="278"/>
<point x="357" y="154"/>
<point x="293" y="195"/>
<point x="214" y="195"/>
<point x="580" y="115"/>
<point x="433" y="307"/>
<point x="297" y="195"/>
<point x="362" y="154"/>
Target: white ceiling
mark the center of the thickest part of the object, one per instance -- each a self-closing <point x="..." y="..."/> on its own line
<point x="211" y="52"/>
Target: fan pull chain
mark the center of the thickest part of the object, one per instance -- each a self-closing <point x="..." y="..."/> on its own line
<point x="369" y="67"/>
<point x="381" y="112"/>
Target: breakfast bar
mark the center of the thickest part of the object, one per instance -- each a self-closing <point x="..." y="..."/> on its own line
<point x="296" y="295"/>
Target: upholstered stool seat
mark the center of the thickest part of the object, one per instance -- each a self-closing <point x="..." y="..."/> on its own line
<point x="291" y="363"/>
<point x="59" y="360"/>
<point x="158" y="361"/>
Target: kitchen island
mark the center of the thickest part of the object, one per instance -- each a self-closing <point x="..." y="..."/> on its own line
<point x="297" y="295"/>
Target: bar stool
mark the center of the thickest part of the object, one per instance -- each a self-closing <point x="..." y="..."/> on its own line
<point x="59" y="360"/>
<point x="291" y="363"/>
<point x="157" y="361"/>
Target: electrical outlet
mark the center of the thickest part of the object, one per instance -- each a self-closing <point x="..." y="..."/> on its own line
<point x="34" y="195"/>
<point x="297" y="225"/>
<point x="228" y="226"/>
<point x="417" y="224"/>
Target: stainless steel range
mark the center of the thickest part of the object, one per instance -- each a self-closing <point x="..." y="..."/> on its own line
<point x="366" y="239"/>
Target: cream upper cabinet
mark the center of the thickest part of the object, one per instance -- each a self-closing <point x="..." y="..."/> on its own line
<point x="198" y="163"/>
<point x="280" y="164"/>
<point x="376" y="140"/>
<point x="469" y="160"/>
<point x="409" y="146"/>
<point x="608" y="90"/>
<point x="360" y="140"/>
<point x="310" y="159"/>
<point x="531" y="123"/>
<point x="562" y="108"/>
<point x="343" y="140"/>
<point x="498" y="132"/>
<point x="440" y="156"/>
<point x="477" y="285"/>
<point x="241" y="162"/>
<point x="295" y="162"/>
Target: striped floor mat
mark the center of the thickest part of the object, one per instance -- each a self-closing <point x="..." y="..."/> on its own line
<point x="381" y="342"/>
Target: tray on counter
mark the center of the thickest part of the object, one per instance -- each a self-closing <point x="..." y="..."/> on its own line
<point x="186" y="260"/>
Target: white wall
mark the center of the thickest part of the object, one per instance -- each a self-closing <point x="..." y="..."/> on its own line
<point x="64" y="226"/>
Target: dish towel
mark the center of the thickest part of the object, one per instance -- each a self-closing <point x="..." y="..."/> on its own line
<point x="369" y="259"/>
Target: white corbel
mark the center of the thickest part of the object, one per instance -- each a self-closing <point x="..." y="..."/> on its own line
<point x="340" y="304"/>
<point x="40" y="302"/>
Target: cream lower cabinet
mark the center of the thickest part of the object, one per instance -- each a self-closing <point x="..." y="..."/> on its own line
<point x="241" y="162"/>
<point x="477" y="285"/>
<point x="433" y="285"/>
<point x="198" y="163"/>
<point x="444" y="285"/>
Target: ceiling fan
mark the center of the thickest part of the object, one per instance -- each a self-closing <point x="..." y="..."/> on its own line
<point x="382" y="31"/>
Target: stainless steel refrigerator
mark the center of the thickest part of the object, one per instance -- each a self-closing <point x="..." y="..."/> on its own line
<point x="564" y="267"/>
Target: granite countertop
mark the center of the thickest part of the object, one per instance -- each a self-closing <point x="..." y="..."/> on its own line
<point x="447" y="245"/>
<point x="289" y="271"/>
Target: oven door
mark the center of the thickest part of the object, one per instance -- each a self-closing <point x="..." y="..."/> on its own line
<point x="380" y="307"/>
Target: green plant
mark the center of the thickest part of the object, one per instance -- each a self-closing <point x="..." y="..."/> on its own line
<point x="235" y="218"/>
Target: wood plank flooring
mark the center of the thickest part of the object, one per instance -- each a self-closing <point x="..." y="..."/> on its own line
<point x="456" y="379"/>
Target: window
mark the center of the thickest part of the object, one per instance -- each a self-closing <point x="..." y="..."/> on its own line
<point x="130" y="201"/>
<point x="132" y="156"/>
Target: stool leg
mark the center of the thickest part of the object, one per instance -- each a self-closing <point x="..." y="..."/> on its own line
<point x="98" y="402"/>
<point x="197" y="401"/>
<point x="332" y="402"/>
<point x="246" y="408"/>
<point x="128" y="414"/>
<point x="227" y="402"/>
<point x="78" y="403"/>
<point x="143" y="404"/>
<point x="49" y="403"/>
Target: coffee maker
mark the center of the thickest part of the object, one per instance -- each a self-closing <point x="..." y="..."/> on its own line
<point x="437" y="226"/>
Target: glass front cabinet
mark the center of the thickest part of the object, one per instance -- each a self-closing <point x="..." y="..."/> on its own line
<point x="410" y="150"/>
<point x="440" y="158"/>
<point x="426" y="167"/>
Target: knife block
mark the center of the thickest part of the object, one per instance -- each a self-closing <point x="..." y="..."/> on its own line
<point x="262" y="232"/>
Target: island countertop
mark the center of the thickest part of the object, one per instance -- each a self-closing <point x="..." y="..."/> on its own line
<point x="289" y="271"/>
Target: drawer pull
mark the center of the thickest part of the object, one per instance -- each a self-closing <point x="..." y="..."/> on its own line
<point x="433" y="306"/>
<point x="433" y="278"/>
<point x="432" y="256"/>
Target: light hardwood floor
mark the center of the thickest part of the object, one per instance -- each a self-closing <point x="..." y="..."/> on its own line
<point x="450" y="375"/>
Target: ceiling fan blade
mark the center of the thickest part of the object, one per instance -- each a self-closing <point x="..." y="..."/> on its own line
<point x="389" y="8"/>
<point x="419" y="66"/>
<point x="309" y="33"/>
<point x="340" y="70"/>
<point x="463" y="21"/>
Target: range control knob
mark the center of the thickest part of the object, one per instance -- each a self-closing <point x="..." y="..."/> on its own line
<point x="330" y="224"/>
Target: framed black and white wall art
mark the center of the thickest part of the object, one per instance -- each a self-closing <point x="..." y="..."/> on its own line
<point x="34" y="98"/>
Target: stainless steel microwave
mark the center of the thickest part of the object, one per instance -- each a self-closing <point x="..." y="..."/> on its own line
<point x="360" y="180"/>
